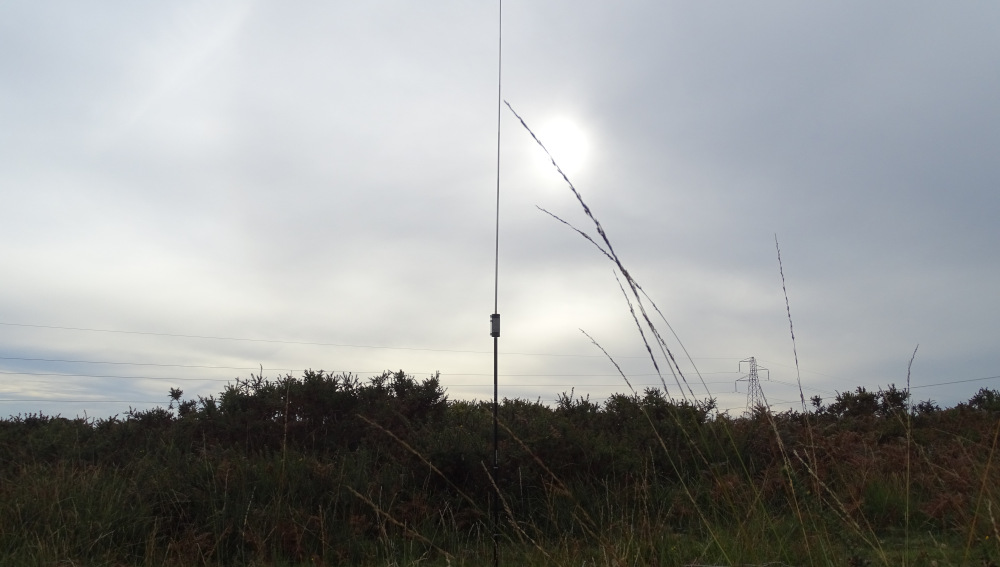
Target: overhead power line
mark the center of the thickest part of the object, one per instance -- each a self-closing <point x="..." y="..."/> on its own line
<point x="211" y="367"/>
<point x="58" y="400"/>
<point x="317" y="343"/>
<point x="363" y="372"/>
<point x="956" y="382"/>
<point x="239" y="339"/>
<point x="447" y="383"/>
<point x="142" y="363"/>
<point x="805" y="387"/>
<point x="113" y="376"/>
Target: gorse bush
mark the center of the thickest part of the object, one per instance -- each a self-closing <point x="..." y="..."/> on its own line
<point x="861" y="403"/>
<point x="332" y="469"/>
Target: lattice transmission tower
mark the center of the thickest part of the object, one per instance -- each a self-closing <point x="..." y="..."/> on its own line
<point x="755" y="396"/>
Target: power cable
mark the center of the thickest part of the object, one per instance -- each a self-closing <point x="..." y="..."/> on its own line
<point x="312" y="343"/>
<point x="143" y="364"/>
<point x="448" y="384"/>
<point x="240" y="339"/>
<point x="113" y="376"/>
<point x="955" y="382"/>
<point x="334" y="373"/>
<point x="804" y="387"/>
<point x="56" y="400"/>
<point x="446" y="376"/>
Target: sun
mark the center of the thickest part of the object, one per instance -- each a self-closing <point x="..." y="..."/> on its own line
<point x="566" y="141"/>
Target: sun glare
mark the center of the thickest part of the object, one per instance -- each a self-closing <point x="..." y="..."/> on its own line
<point x="567" y="143"/>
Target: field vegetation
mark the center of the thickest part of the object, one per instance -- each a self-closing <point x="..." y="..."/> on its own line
<point x="334" y="470"/>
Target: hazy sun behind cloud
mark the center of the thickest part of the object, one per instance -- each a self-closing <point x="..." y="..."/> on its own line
<point x="566" y="141"/>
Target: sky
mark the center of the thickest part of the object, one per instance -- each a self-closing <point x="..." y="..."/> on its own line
<point x="196" y="191"/>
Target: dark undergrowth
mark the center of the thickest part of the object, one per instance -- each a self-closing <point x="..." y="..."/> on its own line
<point x="333" y="470"/>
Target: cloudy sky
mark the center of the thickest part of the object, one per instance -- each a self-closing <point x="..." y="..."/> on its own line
<point x="195" y="190"/>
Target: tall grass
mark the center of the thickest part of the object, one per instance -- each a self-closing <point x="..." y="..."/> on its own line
<point x="807" y="512"/>
<point x="398" y="478"/>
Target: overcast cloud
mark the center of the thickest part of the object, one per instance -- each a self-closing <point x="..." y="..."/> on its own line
<point x="325" y="173"/>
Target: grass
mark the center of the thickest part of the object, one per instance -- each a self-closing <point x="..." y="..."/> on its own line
<point x="640" y="480"/>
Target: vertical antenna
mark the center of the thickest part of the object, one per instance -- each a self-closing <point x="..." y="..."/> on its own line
<point x="495" y="317"/>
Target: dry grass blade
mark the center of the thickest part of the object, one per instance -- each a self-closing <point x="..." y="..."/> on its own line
<point x="645" y="342"/>
<point x="982" y="490"/>
<point x="841" y="511"/>
<point x="608" y="250"/>
<point x="791" y="327"/>
<point x="586" y="209"/>
<point x="671" y="363"/>
<point x="909" y="442"/>
<point x="406" y="529"/>
<point x="993" y="522"/>
<point x="590" y="527"/>
<point x="578" y="231"/>
<point x="562" y="487"/>
<point x="425" y="461"/>
<point x="652" y="425"/>
<point x="798" y="373"/>
<point x="663" y="445"/>
<point x="676" y="338"/>
<point x="802" y="399"/>
<point x="521" y="534"/>
<point x="613" y="361"/>
<point x="589" y="524"/>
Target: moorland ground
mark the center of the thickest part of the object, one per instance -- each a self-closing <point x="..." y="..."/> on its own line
<point x="335" y="470"/>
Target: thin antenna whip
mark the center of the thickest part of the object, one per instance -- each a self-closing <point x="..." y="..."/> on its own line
<point x="495" y="318"/>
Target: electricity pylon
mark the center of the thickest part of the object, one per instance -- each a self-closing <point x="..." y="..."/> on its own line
<point x="755" y="396"/>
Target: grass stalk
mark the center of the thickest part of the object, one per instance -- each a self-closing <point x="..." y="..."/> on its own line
<point x="982" y="491"/>
<point x="426" y="461"/>
<point x="521" y="534"/>
<point x="909" y="443"/>
<point x="406" y="529"/>
<point x="666" y="451"/>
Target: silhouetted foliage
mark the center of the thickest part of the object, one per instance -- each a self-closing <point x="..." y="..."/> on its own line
<point x="862" y="403"/>
<point x="271" y="468"/>
<point x="985" y="400"/>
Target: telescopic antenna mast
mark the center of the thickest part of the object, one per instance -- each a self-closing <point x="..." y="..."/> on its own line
<point x="495" y="317"/>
